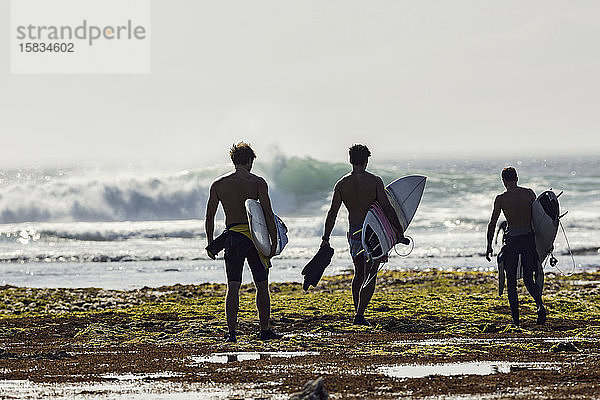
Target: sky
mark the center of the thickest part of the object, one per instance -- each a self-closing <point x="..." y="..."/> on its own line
<point x="408" y="78"/>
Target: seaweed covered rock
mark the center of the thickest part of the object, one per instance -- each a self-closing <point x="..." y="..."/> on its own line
<point x="313" y="390"/>
<point x="564" y="347"/>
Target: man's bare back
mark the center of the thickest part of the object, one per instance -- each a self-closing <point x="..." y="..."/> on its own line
<point x="515" y="203"/>
<point x="233" y="190"/>
<point x="516" y="206"/>
<point x="358" y="190"/>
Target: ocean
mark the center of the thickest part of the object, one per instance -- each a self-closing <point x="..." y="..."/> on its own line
<point x="133" y="226"/>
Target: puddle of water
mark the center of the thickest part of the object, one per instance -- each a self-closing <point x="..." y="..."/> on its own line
<point x="223" y="358"/>
<point x="464" y="368"/>
<point x="584" y="282"/>
<point x="137" y="377"/>
<point x="128" y="390"/>
<point x="569" y="339"/>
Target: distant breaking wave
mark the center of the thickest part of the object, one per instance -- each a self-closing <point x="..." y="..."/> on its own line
<point x="81" y="196"/>
<point x="78" y="199"/>
<point x="454" y="194"/>
<point x="294" y="184"/>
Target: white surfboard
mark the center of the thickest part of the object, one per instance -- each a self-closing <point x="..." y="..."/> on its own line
<point x="545" y="214"/>
<point x="405" y="196"/>
<point x="376" y="239"/>
<point x="259" y="230"/>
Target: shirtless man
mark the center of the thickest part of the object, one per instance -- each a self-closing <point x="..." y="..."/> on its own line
<point x="358" y="190"/>
<point x="519" y="240"/>
<point x="232" y="191"/>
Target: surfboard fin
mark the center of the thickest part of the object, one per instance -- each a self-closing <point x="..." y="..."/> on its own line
<point x="560" y="216"/>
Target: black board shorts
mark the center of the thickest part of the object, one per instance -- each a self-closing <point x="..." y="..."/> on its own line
<point x="238" y="247"/>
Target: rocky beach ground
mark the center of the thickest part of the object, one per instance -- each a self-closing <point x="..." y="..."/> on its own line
<point x="435" y="333"/>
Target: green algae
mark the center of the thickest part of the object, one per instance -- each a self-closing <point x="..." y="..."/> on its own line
<point x="427" y="303"/>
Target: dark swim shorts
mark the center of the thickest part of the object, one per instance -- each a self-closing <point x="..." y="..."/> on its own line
<point x="355" y="243"/>
<point x="238" y="247"/>
<point x="355" y="240"/>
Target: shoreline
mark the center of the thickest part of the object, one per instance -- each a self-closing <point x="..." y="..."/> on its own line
<point x="126" y="276"/>
<point x="166" y="336"/>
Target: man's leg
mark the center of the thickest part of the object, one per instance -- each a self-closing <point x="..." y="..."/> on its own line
<point x="510" y="267"/>
<point x="263" y="304"/>
<point x="529" y="260"/>
<point x="358" y="279"/>
<point x="234" y="263"/>
<point x="366" y="291"/>
<point x="534" y="291"/>
<point x="232" y="304"/>
<point x="532" y="288"/>
<point x="263" y="298"/>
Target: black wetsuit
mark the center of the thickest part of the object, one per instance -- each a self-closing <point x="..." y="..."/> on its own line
<point x="523" y="245"/>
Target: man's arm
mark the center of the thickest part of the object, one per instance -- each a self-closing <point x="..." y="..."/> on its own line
<point x="336" y="203"/>
<point x="492" y="227"/>
<point x="388" y="209"/>
<point x="265" y="202"/>
<point x="532" y="198"/>
<point x="211" y="210"/>
<point x="501" y="227"/>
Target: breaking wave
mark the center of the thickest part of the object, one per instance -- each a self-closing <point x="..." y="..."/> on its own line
<point x="180" y="196"/>
<point x="455" y="196"/>
<point x="46" y="196"/>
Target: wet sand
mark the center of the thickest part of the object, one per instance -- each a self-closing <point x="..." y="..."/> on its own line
<point x="168" y="342"/>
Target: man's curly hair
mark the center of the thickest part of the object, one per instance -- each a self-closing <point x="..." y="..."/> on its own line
<point x="241" y="153"/>
<point x="359" y="153"/>
<point x="509" y="174"/>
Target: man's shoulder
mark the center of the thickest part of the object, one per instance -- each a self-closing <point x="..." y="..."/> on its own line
<point x="531" y="193"/>
<point x="363" y="175"/>
<point x="343" y="181"/>
<point x="259" y="179"/>
<point x="365" y="178"/>
<point x="527" y="190"/>
<point x="376" y="178"/>
<point x="223" y="178"/>
<point x="232" y="176"/>
<point x="501" y="196"/>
